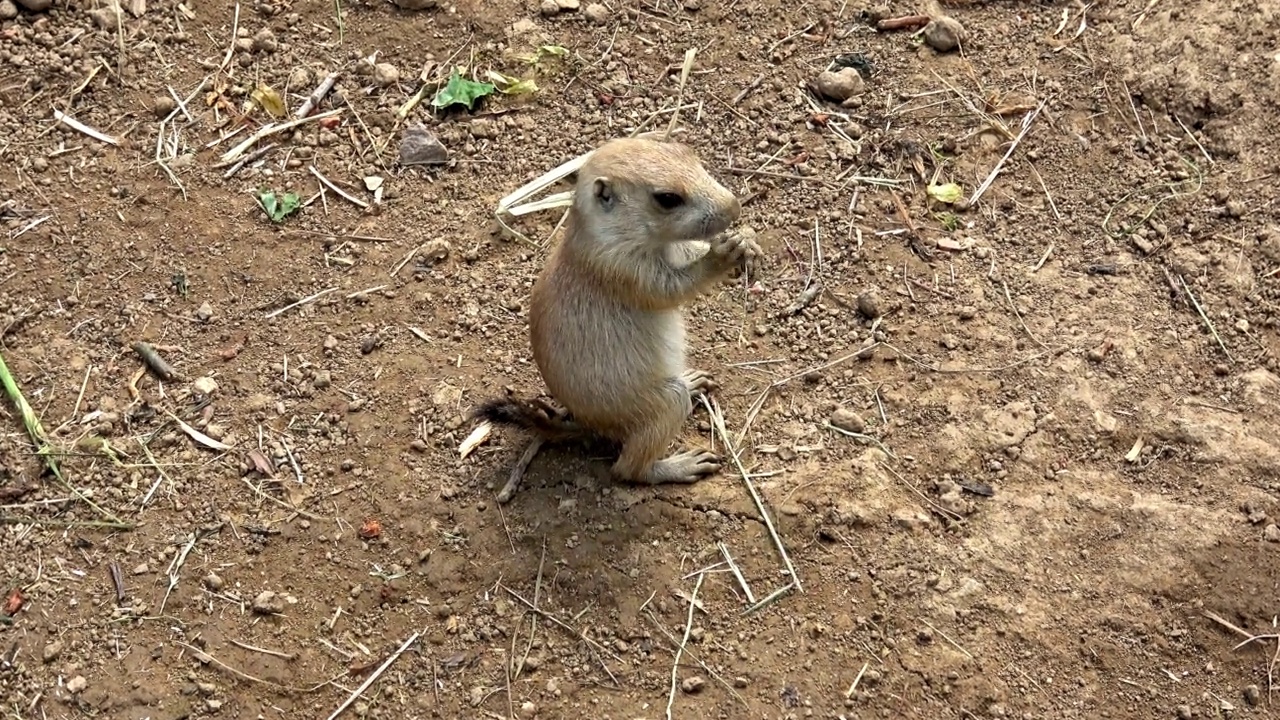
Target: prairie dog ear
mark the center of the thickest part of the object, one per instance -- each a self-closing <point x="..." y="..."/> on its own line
<point x="602" y="189"/>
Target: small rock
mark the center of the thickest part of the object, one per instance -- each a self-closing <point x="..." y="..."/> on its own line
<point x="330" y="343"/>
<point x="160" y="107"/>
<point x="1184" y="712"/>
<point x="205" y="386"/>
<point x="51" y="651"/>
<point x="869" y="305"/>
<point x="549" y="8"/>
<point x="1253" y="695"/>
<point x="300" y="78"/>
<point x="944" y="33"/>
<point x="137" y="7"/>
<point x="528" y="709"/>
<point x="36" y="5"/>
<point x="141" y="569"/>
<point x="77" y="684"/>
<point x="692" y="684"/>
<point x="214" y="582"/>
<point x="419" y="146"/>
<point x="322" y="380"/>
<point x="265" y="41"/>
<point x="416" y="4"/>
<point x="597" y="13"/>
<point x="1271" y="533"/>
<point x="968" y="312"/>
<point x="839" y="85"/>
<point x="569" y="5"/>
<point x="385" y="74"/>
<point x="8" y="10"/>
<point x="267" y="603"/>
<point x="740" y="682"/>
<point x="204" y="313"/>
<point x="106" y="18"/>
<point x="847" y="420"/>
<point x="213" y="704"/>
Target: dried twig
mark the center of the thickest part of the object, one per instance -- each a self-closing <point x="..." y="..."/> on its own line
<point x="1026" y="126"/>
<point x="82" y="128"/>
<point x="303" y="301"/>
<point x="345" y="195"/>
<point x="688" y="628"/>
<point x="717" y="418"/>
<point x="375" y="675"/>
<point x="234" y="153"/>
<point x="317" y="95"/>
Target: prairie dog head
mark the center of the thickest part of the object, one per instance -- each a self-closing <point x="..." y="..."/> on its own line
<point x="650" y="191"/>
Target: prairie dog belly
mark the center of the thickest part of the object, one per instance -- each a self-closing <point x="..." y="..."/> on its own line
<point x="605" y="365"/>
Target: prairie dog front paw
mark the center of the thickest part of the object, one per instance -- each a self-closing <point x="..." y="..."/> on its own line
<point x="736" y="252"/>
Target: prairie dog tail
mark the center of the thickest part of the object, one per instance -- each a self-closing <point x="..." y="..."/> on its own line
<point x="548" y="421"/>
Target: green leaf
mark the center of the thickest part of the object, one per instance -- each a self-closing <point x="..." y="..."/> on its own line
<point x="949" y="193"/>
<point x="461" y="91"/>
<point x="512" y="86"/>
<point x="281" y="207"/>
<point x="543" y="51"/>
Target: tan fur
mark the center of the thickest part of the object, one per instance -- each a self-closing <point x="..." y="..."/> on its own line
<point x="604" y="316"/>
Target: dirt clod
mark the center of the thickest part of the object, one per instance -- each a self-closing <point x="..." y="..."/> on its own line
<point x="267" y="603"/>
<point x="848" y="420"/>
<point x="944" y="33"/>
<point x="693" y="684"/>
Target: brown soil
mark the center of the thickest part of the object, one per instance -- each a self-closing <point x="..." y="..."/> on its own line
<point x="1067" y="469"/>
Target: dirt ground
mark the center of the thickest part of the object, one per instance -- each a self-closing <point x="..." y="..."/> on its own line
<point x="1018" y="450"/>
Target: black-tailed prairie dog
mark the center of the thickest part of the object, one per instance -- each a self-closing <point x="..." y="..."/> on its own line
<point x="645" y="235"/>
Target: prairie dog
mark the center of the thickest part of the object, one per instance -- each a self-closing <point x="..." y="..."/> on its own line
<point x="643" y="237"/>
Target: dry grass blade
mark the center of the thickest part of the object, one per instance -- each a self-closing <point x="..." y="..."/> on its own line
<point x="43" y="449"/>
<point x="717" y="422"/>
<point x="374" y="675"/>
<point x="688" y="629"/>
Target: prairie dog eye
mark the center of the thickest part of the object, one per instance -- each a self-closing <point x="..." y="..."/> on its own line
<point x="668" y="200"/>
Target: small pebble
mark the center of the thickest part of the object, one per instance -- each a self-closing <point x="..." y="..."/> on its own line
<point x="568" y="5"/>
<point x="1184" y="712"/>
<point x="385" y="74"/>
<point x="692" y="684"/>
<point x="265" y="41"/>
<point x="1271" y="533"/>
<point x="205" y="386"/>
<point x="839" y="85"/>
<point x="869" y="305"/>
<point x="205" y="312"/>
<point x="266" y="603"/>
<point x="8" y="10"/>
<point x="213" y="582"/>
<point x="597" y="13"/>
<point x="847" y="420"/>
<point x="549" y="8"/>
<point x="944" y="33"/>
<point x="1253" y="695"/>
<point x="419" y="146"/>
<point x="161" y="106"/>
<point x="141" y="569"/>
<point x="77" y="684"/>
<point x="528" y="709"/>
<point x="51" y="651"/>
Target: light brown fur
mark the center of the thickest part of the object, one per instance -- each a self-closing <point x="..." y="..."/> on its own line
<point x="604" y="316"/>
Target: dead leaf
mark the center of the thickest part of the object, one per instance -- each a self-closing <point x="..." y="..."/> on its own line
<point x="261" y="463"/>
<point x="13" y="603"/>
<point x="270" y="101"/>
